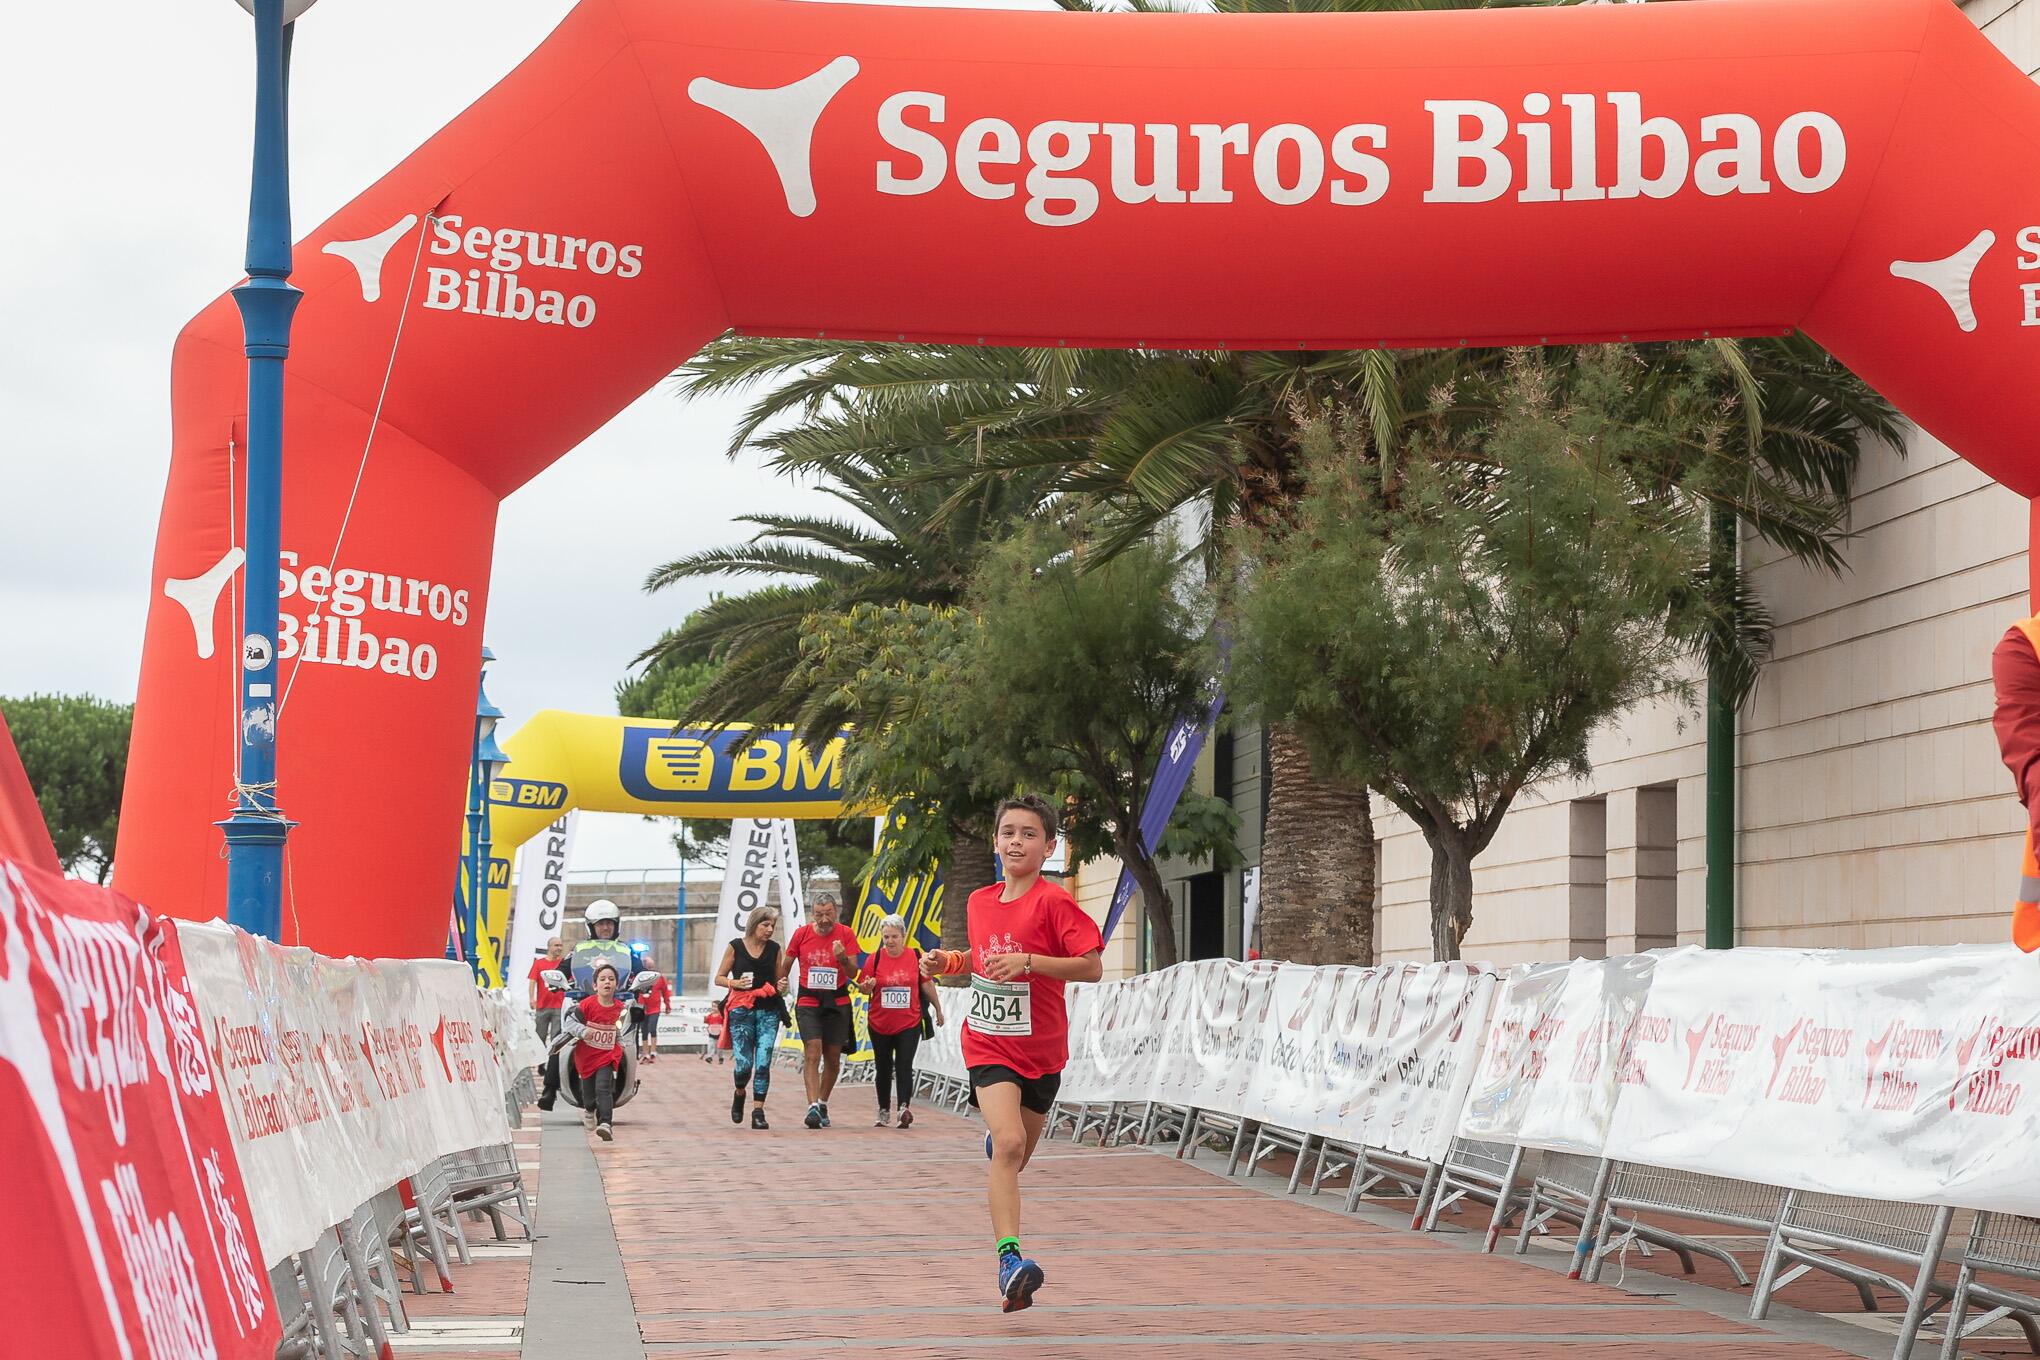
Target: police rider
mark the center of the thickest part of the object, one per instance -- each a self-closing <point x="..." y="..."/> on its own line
<point x="605" y="923"/>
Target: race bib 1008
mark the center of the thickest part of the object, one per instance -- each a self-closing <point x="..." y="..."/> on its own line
<point x="896" y="998"/>
<point x="1001" y="1007"/>
<point x="822" y="979"/>
<point x="603" y="1037"/>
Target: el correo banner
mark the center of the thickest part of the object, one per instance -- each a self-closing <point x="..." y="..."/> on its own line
<point x="339" y="1077"/>
<point x="541" y="895"/>
<point x="761" y="853"/>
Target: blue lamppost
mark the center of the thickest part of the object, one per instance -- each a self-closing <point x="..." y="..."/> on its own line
<point x="256" y="829"/>
<point x="486" y="760"/>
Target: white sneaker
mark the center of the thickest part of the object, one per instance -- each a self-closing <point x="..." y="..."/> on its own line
<point x="602" y="1132"/>
<point x="587" y="1119"/>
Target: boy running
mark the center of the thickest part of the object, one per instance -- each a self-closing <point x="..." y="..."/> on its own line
<point x="1027" y="938"/>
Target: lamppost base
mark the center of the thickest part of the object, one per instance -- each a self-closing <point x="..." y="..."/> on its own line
<point x="255" y="839"/>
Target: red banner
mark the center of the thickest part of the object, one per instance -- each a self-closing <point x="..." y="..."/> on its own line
<point x="130" y="1232"/>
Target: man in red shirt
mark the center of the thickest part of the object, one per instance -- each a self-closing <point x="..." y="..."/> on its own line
<point x="1027" y="939"/>
<point x="827" y="952"/>
<point x="545" y="1002"/>
<point x="651" y="1004"/>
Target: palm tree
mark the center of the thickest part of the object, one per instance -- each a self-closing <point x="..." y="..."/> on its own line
<point x="906" y="542"/>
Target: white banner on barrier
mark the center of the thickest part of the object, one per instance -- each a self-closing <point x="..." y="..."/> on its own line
<point x="513" y="1028"/>
<point x="339" y="1077"/>
<point x="1588" y="1037"/>
<point x="1516" y="1053"/>
<point x="1379" y="1056"/>
<point x="1889" y="1074"/>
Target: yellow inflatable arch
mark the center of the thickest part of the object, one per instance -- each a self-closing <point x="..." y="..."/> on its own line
<point x="565" y="761"/>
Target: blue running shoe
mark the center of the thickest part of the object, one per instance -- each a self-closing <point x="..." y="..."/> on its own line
<point x="988" y="1146"/>
<point x="1018" y="1279"/>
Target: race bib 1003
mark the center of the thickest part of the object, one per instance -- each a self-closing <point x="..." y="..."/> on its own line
<point x="1001" y="1007"/>
<point x="896" y="998"/>
<point x="822" y="979"/>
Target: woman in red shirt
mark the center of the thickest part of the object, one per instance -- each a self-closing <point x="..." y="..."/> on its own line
<point x="891" y="977"/>
<point x="598" y="1053"/>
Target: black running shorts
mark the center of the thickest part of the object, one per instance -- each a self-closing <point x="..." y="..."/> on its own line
<point x="1036" y="1093"/>
<point x="828" y="1024"/>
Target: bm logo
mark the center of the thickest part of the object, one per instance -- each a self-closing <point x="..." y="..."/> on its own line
<point x="659" y="765"/>
<point x="499" y="873"/>
<point x="528" y="793"/>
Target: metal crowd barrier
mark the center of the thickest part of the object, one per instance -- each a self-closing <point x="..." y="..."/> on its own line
<point x="341" y="1299"/>
<point x="1634" y="1188"/>
<point x="1485" y="1173"/>
<point x="2002" y="1244"/>
<point x="1209" y="1126"/>
<point x="1568" y="1188"/>
<point x="1811" y="1228"/>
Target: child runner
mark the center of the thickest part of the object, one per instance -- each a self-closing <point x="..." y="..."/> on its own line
<point x="1027" y="938"/>
<point x="717" y="1044"/>
<point x="598" y="1052"/>
<point x="650" y="1006"/>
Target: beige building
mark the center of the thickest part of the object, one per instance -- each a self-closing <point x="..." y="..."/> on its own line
<point x="1871" y="806"/>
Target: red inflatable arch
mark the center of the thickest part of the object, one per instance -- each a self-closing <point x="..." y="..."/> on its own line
<point x="659" y="171"/>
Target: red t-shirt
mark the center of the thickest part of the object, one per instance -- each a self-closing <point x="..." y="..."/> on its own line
<point x="813" y="951"/>
<point x="588" y="1060"/>
<point x="655" y="1000"/>
<point x="1022" y="1025"/>
<point x="898" y="979"/>
<point x="548" y="999"/>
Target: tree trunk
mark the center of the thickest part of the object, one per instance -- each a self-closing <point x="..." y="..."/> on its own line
<point x="1317" y="862"/>
<point x="1154" y="901"/>
<point x="966" y="868"/>
<point x="1451" y="892"/>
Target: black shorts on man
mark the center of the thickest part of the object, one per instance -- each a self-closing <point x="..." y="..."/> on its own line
<point x="1036" y="1093"/>
<point x="828" y="1024"/>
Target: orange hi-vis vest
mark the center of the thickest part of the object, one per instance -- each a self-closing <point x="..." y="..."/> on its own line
<point x="2026" y="909"/>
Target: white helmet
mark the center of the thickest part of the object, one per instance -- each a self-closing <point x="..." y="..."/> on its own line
<point x="602" y="910"/>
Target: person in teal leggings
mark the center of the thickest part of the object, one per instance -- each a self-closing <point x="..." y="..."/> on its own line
<point x="754" y="1010"/>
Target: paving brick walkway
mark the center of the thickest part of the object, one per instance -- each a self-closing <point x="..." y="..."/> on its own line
<point x="1139" y="1249"/>
<point x="856" y="1241"/>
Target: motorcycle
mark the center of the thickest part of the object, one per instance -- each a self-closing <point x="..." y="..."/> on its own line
<point x="562" y="1050"/>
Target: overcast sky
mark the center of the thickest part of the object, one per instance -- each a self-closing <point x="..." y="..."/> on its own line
<point x="124" y="171"/>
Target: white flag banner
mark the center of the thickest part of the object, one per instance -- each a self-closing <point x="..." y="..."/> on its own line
<point x="786" y="865"/>
<point x="541" y="898"/>
<point x="339" y="1077"/>
<point x="761" y="853"/>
